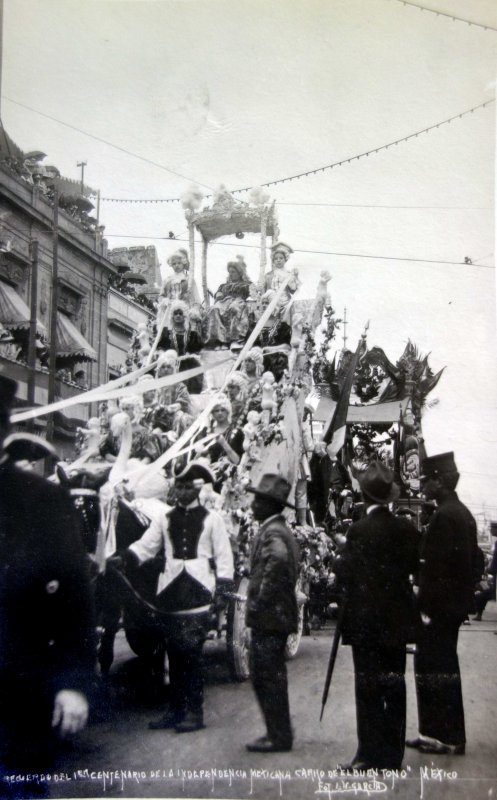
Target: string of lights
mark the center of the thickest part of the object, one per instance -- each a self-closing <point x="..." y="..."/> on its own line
<point x="341" y="163"/>
<point x="297" y="176"/>
<point x="469" y="22"/>
<point x="316" y="252"/>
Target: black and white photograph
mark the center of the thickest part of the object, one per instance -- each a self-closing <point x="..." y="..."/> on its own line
<point x="248" y="399"/>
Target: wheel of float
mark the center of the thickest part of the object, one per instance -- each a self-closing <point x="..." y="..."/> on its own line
<point x="293" y="641"/>
<point x="238" y="635"/>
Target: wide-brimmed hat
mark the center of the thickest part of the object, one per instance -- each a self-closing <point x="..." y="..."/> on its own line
<point x="8" y="389"/>
<point x="273" y="487"/>
<point x="377" y="483"/>
<point x="196" y="471"/>
<point x="28" y="447"/>
<point x="440" y="464"/>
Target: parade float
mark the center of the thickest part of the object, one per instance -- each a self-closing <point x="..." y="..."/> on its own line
<point x="243" y="379"/>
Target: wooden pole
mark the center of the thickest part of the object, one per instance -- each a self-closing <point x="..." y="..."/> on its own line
<point x="262" y="271"/>
<point x="191" y="244"/>
<point x="53" y="313"/>
<point x="205" y="290"/>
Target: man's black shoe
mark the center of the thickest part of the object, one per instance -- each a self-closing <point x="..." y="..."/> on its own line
<point x="436" y="748"/>
<point x="191" y="722"/>
<point x="169" y="720"/>
<point x="265" y="745"/>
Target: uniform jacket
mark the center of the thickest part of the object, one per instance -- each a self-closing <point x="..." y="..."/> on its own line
<point x="274" y="564"/>
<point x="373" y="572"/>
<point x="47" y="633"/>
<point x="449" y="561"/>
<point x="197" y="551"/>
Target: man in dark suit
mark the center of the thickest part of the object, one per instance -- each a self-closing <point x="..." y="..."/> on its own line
<point x="446" y="584"/>
<point x="373" y="575"/>
<point x="47" y="652"/>
<point x="272" y="610"/>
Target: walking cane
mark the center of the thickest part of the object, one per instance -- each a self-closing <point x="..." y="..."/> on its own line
<point x="333" y="656"/>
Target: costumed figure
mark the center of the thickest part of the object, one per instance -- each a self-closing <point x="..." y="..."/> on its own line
<point x="145" y="446"/>
<point x="171" y="399"/>
<point x="252" y="368"/>
<point x="227" y="447"/>
<point x="183" y="338"/>
<point x="198" y="564"/>
<point x="228" y="320"/>
<point x="237" y="390"/>
<point x="273" y="279"/>
<point x="175" y="286"/>
<point x="251" y="438"/>
<point x="149" y="401"/>
<point x="276" y="331"/>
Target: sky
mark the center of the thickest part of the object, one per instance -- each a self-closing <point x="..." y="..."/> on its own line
<point x="242" y="92"/>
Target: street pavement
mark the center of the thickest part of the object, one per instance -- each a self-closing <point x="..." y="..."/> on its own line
<point x="117" y="756"/>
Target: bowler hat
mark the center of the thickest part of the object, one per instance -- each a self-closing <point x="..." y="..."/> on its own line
<point x="440" y="464"/>
<point x="196" y="471"/>
<point x="273" y="487"/>
<point x="8" y="389"/>
<point x="377" y="483"/>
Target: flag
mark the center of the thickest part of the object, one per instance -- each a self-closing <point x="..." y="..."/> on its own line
<point x="335" y="428"/>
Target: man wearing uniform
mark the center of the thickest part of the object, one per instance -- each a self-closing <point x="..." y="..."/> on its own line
<point x="446" y="584"/>
<point x="198" y="563"/>
<point x="47" y="634"/>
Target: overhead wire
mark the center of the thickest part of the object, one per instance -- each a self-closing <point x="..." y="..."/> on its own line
<point x="316" y="252"/>
<point x="276" y="182"/>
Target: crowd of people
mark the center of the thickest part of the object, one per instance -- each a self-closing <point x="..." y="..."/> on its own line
<point x="48" y="645"/>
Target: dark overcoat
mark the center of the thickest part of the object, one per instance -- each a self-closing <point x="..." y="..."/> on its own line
<point x="47" y="632"/>
<point x="449" y="562"/>
<point x="274" y="565"/>
<point x="373" y="572"/>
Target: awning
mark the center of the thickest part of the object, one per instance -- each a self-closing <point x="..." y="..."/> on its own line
<point x="376" y="413"/>
<point x="14" y="313"/>
<point x="71" y="344"/>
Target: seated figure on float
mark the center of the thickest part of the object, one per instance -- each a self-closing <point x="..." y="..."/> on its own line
<point x="280" y="253"/>
<point x="182" y="337"/>
<point x="237" y="391"/>
<point x="135" y="438"/>
<point x="252" y="368"/>
<point x="276" y="331"/>
<point x="227" y="446"/>
<point x="174" y="408"/>
<point x="228" y="320"/>
<point x="175" y="286"/>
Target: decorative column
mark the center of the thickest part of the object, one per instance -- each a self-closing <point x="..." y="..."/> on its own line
<point x="262" y="271"/>
<point x="205" y="289"/>
<point x="191" y="245"/>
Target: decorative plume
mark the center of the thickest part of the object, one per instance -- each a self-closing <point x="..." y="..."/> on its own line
<point x="192" y="198"/>
<point x="258" y="196"/>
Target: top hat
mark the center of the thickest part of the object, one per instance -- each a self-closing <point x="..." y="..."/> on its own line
<point x="440" y="464"/>
<point x="195" y="471"/>
<point x="8" y="389"/>
<point x="28" y="447"/>
<point x="377" y="483"/>
<point x="272" y="487"/>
